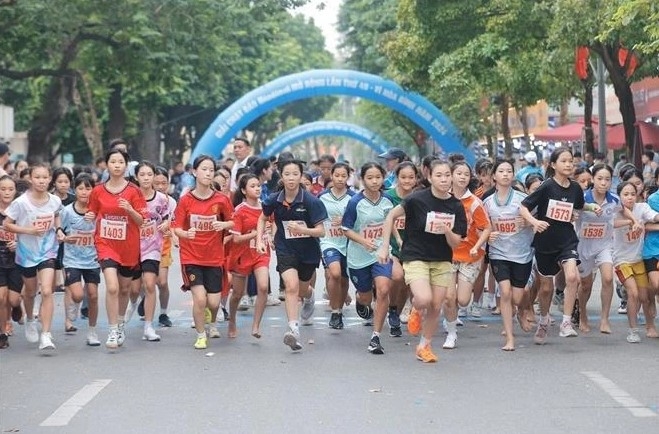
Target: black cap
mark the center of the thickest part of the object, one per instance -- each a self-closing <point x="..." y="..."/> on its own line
<point x="394" y="154"/>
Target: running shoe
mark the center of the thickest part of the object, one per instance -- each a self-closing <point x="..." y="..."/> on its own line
<point x="32" y="331"/>
<point x="622" y="309"/>
<point x="150" y="334"/>
<point x="208" y="316"/>
<point x="633" y="337"/>
<point x="308" y="308"/>
<point x="394" y="323"/>
<point x="121" y="333"/>
<point x="541" y="334"/>
<point x="225" y="313"/>
<point x="272" y="300"/>
<point x="46" y="342"/>
<point x="405" y="313"/>
<point x="292" y="340"/>
<point x="140" y="307"/>
<point x="84" y="313"/>
<point x="201" y="343"/>
<point x="459" y="322"/>
<point x="451" y="341"/>
<point x="374" y="346"/>
<point x="4" y="341"/>
<point x="282" y="295"/>
<point x="16" y="314"/>
<point x="112" y="341"/>
<point x="92" y="339"/>
<point x="475" y="311"/>
<point x="244" y="303"/>
<point x="363" y="311"/>
<point x="462" y="312"/>
<point x="213" y="332"/>
<point x="425" y="354"/>
<point x="164" y="320"/>
<point x="567" y="330"/>
<point x="336" y="321"/>
<point x="414" y="322"/>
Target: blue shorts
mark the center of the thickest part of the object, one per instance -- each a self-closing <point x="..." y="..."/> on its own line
<point x="333" y="255"/>
<point x="363" y="278"/>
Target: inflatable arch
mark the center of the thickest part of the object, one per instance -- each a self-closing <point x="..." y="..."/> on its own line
<point x="323" y="82"/>
<point x="328" y="128"/>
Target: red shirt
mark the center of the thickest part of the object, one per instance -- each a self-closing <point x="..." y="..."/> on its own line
<point x="207" y="247"/>
<point x="117" y="235"/>
<point x="245" y="219"/>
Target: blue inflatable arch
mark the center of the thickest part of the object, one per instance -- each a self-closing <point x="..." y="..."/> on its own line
<point x="323" y="82"/>
<point x="325" y="128"/>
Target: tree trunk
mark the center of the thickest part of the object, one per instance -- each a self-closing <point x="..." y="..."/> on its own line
<point x="588" y="115"/>
<point x="84" y="104"/>
<point x="149" y="145"/>
<point x="563" y="116"/>
<point x="116" y="113"/>
<point x="505" y="127"/>
<point x="522" y="114"/>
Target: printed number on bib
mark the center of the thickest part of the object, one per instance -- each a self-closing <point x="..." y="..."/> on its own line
<point x="506" y="225"/>
<point x="559" y="210"/>
<point x="438" y="222"/>
<point x="632" y="236"/>
<point x="593" y="231"/>
<point x="148" y="230"/>
<point x="84" y="238"/>
<point x="399" y="223"/>
<point x="113" y="229"/>
<point x="6" y="235"/>
<point x="43" y="222"/>
<point x="334" y="231"/>
<point x="373" y="231"/>
<point x="288" y="234"/>
<point x="202" y="223"/>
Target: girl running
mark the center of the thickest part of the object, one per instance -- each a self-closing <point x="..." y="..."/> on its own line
<point x="118" y="209"/>
<point x="299" y="217"/>
<point x="363" y="224"/>
<point x="34" y="216"/>
<point x="334" y="243"/>
<point x="201" y="217"/>
<point x="435" y="223"/>
<point x="79" y="259"/>
<point x="11" y="282"/>
<point x="244" y="259"/>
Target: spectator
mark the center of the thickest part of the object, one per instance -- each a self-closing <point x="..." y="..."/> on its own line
<point x="531" y="159"/>
<point x="393" y="157"/>
<point x="5" y="153"/>
<point x="649" y="166"/>
<point x="242" y="149"/>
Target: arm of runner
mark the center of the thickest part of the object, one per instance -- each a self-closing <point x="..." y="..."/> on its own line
<point x="383" y="251"/>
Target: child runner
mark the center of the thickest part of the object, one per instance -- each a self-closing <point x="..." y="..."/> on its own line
<point x="362" y="224"/>
<point x="79" y="259"/>
<point x="118" y="209"/>
<point x="34" y="216"/>
<point x="435" y="222"/>
<point x="334" y="243"/>
<point x="201" y="217"/>
<point x="11" y="282"/>
<point x="299" y="217"/>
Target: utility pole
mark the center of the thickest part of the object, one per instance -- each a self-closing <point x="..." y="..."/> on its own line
<point x="601" y="104"/>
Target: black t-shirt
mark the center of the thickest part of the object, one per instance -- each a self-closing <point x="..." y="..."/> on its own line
<point x="554" y="205"/>
<point x="418" y="243"/>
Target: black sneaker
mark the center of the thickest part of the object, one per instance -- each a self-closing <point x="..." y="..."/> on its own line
<point x="395" y="332"/>
<point x="374" y="346"/>
<point x="140" y="308"/>
<point x="4" y="341"/>
<point x="84" y="313"/>
<point x="16" y="314"/>
<point x="336" y="321"/>
<point x="393" y="318"/>
<point x="60" y="288"/>
<point x="623" y="307"/>
<point x="364" y="312"/>
<point x="164" y="320"/>
<point x="226" y="314"/>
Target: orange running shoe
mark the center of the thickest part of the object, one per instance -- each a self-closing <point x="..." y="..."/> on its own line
<point x="425" y="354"/>
<point x="414" y="322"/>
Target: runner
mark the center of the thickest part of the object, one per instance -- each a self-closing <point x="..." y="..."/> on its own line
<point x="34" y="216"/>
<point x="435" y="222"/>
<point x="200" y="219"/>
<point x="11" y="282"/>
<point x="299" y="217"/>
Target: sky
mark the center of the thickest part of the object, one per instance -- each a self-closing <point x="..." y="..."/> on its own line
<point x="325" y="20"/>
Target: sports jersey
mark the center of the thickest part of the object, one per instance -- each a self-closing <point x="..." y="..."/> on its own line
<point x="477" y="221"/>
<point x="151" y="239"/>
<point x="596" y="233"/>
<point x="399" y="223"/>
<point x="117" y="235"/>
<point x="628" y="243"/>
<point x="245" y="219"/>
<point x="367" y="219"/>
<point x="81" y="254"/>
<point x="555" y="205"/>
<point x="305" y="209"/>
<point x="651" y="244"/>
<point x="7" y="257"/>
<point x="423" y="213"/>
<point x="335" y="207"/>
<point x="31" y="250"/>
<point x="513" y="242"/>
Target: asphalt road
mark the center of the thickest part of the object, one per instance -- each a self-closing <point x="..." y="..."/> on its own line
<point x="590" y="384"/>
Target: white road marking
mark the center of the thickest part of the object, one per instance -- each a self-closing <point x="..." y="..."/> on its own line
<point x="617" y="394"/>
<point x="63" y="415"/>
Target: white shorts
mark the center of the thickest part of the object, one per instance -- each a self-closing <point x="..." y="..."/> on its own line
<point x="589" y="265"/>
<point x="468" y="271"/>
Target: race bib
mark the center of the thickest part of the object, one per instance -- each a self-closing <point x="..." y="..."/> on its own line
<point x="506" y="225"/>
<point x="6" y="236"/>
<point x="436" y="221"/>
<point x="632" y="236"/>
<point x="334" y="231"/>
<point x="593" y="231"/>
<point x="113" y="229"/>
<point x="399" y="223"/>
<point x="288" y="234"/>
<point x="373" y="231"/>
<point x="43" y="221"/>
<point x="252" y="242"/>
<point x="202" y="223"/>
<point x="148" y="230"/>
<point x="559" y="210"/>
<point x="84" y="238"/>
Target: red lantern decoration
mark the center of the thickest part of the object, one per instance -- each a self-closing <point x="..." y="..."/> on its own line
<point x="581" y="62"/>
<point x="623" y="53"/>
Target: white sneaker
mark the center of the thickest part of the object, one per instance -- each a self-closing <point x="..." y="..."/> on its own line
<point x="32" y="331"/>
<point x="121" y="334"/>
<point x="633" y="337"/>
<point x="451" y="341"/>
<point x="405" y="313"/>
<point x="487" y="302"/>
<point x="272" y="300"/>
<point x="459" y="322"/>
<point x="46" y="341"/>
<point x="213" y="332"/>
<point x="244" y="304"/>
<point x="92" y="339"/>
<point x="462" y="312"/>
<point x="475" y="311"/>
<point x="150" y="334"/>
<point x="566" y="330"/>
<point x="112" y="341"/>
<point x="308" y="308"/>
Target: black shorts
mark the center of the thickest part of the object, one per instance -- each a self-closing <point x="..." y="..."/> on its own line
<point x="30" y="272"/>
<point x="12" y="279"/>
<point x="288" y="262"/>
<point x="549" y="264"/>
<point x="651" y="265"/>
<point x="518" y="274"/>
<point x="147" y="266"/>
<point x="76" y="275"/>
<point x="60" y="256"/>
<point x="123" y="270"/>
<point x="211" y="278"/>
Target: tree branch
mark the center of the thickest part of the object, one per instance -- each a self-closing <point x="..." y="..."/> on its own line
<point x="84" y="36"/>
<point x="37" y="72"/>
<point x="7" y="3"/>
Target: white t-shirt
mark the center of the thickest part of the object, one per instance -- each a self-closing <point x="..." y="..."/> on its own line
<point x="627" y="243"/>
<point x="233" y="185"/>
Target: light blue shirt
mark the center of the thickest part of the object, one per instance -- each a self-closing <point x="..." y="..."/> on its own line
<point x="82" y="255"/>
<point x="336" y="207"/>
